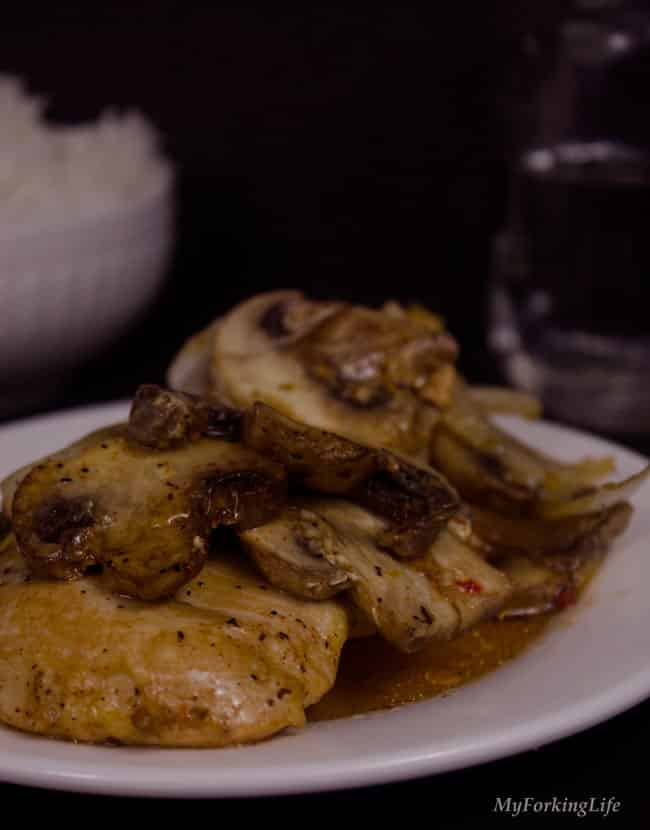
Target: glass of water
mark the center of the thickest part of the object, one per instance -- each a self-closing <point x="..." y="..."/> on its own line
<point x="570" y="299"/>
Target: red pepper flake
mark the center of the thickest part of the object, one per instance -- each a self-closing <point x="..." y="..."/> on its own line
<point x="470" y="586"/>
<point x="566" y="596"/>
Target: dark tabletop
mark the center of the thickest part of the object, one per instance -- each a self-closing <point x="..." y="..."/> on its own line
<point x="607" y="760"/>
<point x="346" y="154"/>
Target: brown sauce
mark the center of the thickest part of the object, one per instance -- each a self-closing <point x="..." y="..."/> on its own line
<point x="373" y="675"/>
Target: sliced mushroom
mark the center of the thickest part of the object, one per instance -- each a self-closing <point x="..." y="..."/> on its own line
<point x="402" y="603"/>
<point x="364" y="356"/>
<point x="613" y="522"/>
<point x="460" y="587"/>
<point x="5" y="527"/>
<point x="373" y="375"/>
<point x="161" y="418"/>
<point x="278" y="318"/>
<point x="323" y="461"/>
<point x="532" y="536"/>
<point x="9" y="485"/>
<point x="414" y="497"/>
<point x="416" y="500"/>
<point x="142" y="515"/>
<point x="481" y="478"/>
<point x="552" y="582"/>
<point x="190" y="369"/>
<point x="491" y="468"/>
<point x="288" y="551"/>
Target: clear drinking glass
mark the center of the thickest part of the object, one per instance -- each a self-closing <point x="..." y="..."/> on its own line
<point x="570" y="299"/>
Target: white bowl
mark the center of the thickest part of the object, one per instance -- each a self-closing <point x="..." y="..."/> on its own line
<point x="69" y="290"/>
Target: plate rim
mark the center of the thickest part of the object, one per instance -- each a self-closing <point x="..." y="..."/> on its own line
<point x="315" y="776"/>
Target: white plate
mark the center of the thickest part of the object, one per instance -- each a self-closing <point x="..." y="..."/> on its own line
<point x="592" y="664"/>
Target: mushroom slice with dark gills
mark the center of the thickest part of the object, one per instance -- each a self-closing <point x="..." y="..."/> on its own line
<point x="493" y="469"/>
<point x="322" y="460"/>
<point x="143" y="515"/>
<point x="5" y="528"/>
<point x="325" y="540"/>
<point x="161" y="418"/>
<point x="550" y="580"/>
<point x="288" y="551"/>
<point x="378" y="376"/>
<point x="415" y="499"/>
<point x="314" y="543"/>
<point x="191" y="368"/>
<point x="498" y="534"/>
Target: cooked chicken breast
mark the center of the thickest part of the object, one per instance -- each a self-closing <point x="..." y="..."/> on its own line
<point x="474" y="588"/>
<point x="229" y="660"/>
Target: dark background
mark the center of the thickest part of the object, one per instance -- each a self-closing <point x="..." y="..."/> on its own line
<point x="347" y="153"/>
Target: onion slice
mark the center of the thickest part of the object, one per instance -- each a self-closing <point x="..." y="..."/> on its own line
<point x="597" y="499"/>
<point x="495" y="400"/>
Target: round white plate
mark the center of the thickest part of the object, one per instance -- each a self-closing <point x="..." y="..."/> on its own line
<point x="593" y="663"/>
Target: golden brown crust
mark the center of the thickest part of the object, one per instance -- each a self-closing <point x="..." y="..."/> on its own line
<point x="229" y="661"/>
